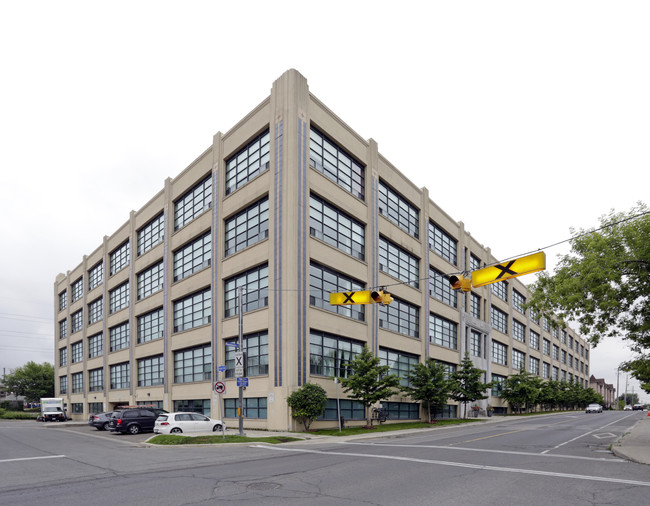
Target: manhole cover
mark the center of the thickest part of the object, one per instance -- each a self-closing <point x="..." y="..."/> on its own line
<point x="263" y="485"/>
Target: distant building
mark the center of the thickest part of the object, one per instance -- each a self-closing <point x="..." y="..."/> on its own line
<point x="289" y="205"/>
<point x="605" y="389"/>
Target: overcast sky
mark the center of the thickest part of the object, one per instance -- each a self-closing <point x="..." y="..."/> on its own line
<point x="522" y="118"/>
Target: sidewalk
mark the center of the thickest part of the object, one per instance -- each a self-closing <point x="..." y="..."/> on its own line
<point x="635" y="445"/>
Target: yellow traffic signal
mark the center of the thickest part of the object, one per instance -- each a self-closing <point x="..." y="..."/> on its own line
<point x="460" y="282"/>
<point x="386" y="298"/>
<point x="381" y="297"/>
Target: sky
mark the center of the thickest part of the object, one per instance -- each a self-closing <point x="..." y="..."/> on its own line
<point x="522" y="118"/>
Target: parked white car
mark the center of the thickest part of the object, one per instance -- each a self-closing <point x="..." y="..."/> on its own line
<point x="594" y="408"/>
<point x="178" y="423"/>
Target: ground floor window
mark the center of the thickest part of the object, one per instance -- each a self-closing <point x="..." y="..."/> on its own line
<point x="402" y="410"/>
<point x="350" y="410"/>
<point x="449" y="411"/>
<point x="254" y="407"/>
<point x="151" y="404"/>
<point x="77" y="407"/>
<point x="193" y="405"/>
<point x="95" y="407"/>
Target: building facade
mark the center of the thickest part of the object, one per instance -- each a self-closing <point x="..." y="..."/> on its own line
<point x="607" y="390"/>
<point x="286" y="207"/>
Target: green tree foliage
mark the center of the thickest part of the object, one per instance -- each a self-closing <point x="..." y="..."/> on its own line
<point x="369" y="381"/>
<point x="428" y="384"/>
<point x="31" y="380"/>
<point x="604" y="285"/>
<point x="466" y="383"/>
<point x="521" y="390"/>
<point x="307" y="403"/>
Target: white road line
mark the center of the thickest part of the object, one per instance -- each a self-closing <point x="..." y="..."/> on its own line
<point x="583" y="435"/>
<point x="507" y="452"/>
<point x="469" y="466"/>
<point x="34" y="458"/>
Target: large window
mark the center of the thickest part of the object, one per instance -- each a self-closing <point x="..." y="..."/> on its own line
<point x="193" y="311"/>
<point x="499" y="320"/>
<point x="500" y="289"/>
<point x="399" y="263"/>
<point x="546" y="346"/>
<point x="77" y="350"/>
<point x="119" y="258"/>
<point x="193" y="364"/>
<point x="534" y="340"/>
<point x="328" y="158"/>
<point x="518" y="360"/>
<point x="402" y="410"/>
<point x="151" y="371"/>
<point x="519" y="331"/>
<point x="120" y="376"/>
<point x="256" y="348"/>
<point x="201" y="406"/>
<point x="442" y="243"/>
<point x="118" y="298"/>
<point x="475" y="343"/>
<point x="193" y="203"/>
<point x="95" y="311"/>
<point x="151" y="234"/>
<point x="350" y="410"/>
<point x="499" y="353"/>
<point x="77" y="382"/>
<point x="400" y="316"/>
<point x="323" y="281"/>
<point x="336" y="228"/>
<point x="96" y="276"/>
<point x="398" y="210"/>
<point x="77" y="289"/>
<point x="400" y="362"/>
<point x="254" y="407"/>
<point x="533" y="365"/>
<point x="518" y="301"/>
<point x="440" y="288"/>
<point x="330" y="355"/>
<point x="497" y="384"/>
<point x="443" y="332"/>
<point x="77" y="320"/>
<point x="63" y="357"/>
<point x="255" y="285"/>
<point x="63" y="329"/>
<point x="150" y="281"/>
<point x="247" y="227"/>
<point x="150" y="326"/>
<point x="96" y="380"/>
<point x="118" y="337"/>
<point x="475" y="305"/>
<point x="63" y="385"/>
<point x="249" y="162"/>
<point x="95" y="345"/>
<point x="63" y="300"/>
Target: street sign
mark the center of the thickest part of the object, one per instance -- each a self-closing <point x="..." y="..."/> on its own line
<point x="221" y="368"/>
<point x="220" y="387"/>
<point x="242" y="382"/>
<point x="233" y="344"/>
<point x="363" y="297"/>
<point x="239" y="364"/>
<point x="512" y="269"/>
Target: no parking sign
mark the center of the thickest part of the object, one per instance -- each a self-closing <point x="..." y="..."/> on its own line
<point x="220" y="387"/>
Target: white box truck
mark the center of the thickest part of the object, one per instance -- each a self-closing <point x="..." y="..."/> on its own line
<point x="52" y="409"/>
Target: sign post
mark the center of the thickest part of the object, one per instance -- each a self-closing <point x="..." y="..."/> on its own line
<point x="239" y="361"/>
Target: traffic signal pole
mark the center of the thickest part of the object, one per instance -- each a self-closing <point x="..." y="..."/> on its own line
<point x="241" y="348"/>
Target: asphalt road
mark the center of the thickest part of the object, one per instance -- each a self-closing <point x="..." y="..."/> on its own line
<point x="557" y="459"/>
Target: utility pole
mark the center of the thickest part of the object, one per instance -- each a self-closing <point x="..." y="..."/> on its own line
<point x="618" y="392"/>
<point x="241" y="349"/>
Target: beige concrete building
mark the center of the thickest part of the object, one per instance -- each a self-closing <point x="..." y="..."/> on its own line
<point x="607" y="390"/>
<point x="290" y="204"/>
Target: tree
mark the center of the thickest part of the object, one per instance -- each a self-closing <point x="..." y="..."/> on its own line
<point x="307" y="403"/>
<point x="369" y="382"/>
<point x="466" y="385"/>
<point x="428" y="384"/>
<point x="629" y="398"/>
<point x="521" y="389"/>
<point x="31" y="380"/>
<point x="604" y="285"/>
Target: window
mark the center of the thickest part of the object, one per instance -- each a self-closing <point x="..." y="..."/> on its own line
<point x="77" y="289"/>
<point x="400" y="362"/>
<point x="119" y="337"/>
<point x="150" y="281"/>
<point x="95" y="345"/>
<point x="330" y="355"/>
<point x="475" y="341"/>
<point x="193" y="203"/>
<point x="63" y="300"/>
<point x="77" y="408"/>
<point x="201" y="406"/>
<point x="518" y="360"/>
<point x="256" y="347"/>
<point x="400" y="316"/>
<point x="500" y="289"/>
<point x="254" y="407"/>
<point x="336" y="228"/>
<point x="442" y="243"/>
<point x="95" y="407"/>
<point x="402" y="410"/>
<point x="474" y="263"/>
<point x="499" y="320"/>
<point x="519" y="331"/>
<point x="95" y="311"/>
<point x="63" y="357"/>
<point x="546" y="324"/>
<point x="499" y="353"/>
<point x="534" y="340"/>
<point x="63" y="329"/>
<point x="563" y="338"/>
<point x="151" y="234"/>
<point x="77" y="382"/>
<point x="475" y="305"/>
<point x="193" y="257"/>
<point x="323" y="281"/>
<point x="449" y="368"/>
<point x="443" y="332"/>
<point x="96" y="276"/>
<point x="546" y="347"/>
<point x="563" y="357"/>
<point x="497" y="384"/>
<point x="120" y="376"/>
<point x="150" y="326"/>
<point x="556" y="352"/>
<point x="556" y="373"/>
<point x="556" y="333"/>
<point x="440" y="288"/>
<point x="546" y="370"/>
<point x="118" y="298"/>
<point x="255" y="284"/>
<point x="518" y="301"/>
<point x="398" y="210"/>
<point x="77" y="321"/>
<point x="534" y="315"/>
<point x="335" y="163"/>
<point x="63" y="384"/>
<point x="399" y="263"/>
<point x="247" y="227"/>
<point x="77" y="350"/>
<point x="96" y="380"/>
<point x="119" y="258"/>
<point x="350" y="410"/>
<point x="193" y="311"/>
<point x="151" y="371"/>
<point x="533" y="365"/>
<point x="193" y="364"/>
<point x="248" y="163"/>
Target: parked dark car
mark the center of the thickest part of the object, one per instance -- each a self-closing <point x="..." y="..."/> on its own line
<point x="133" y="420"/>
<point x="100" y="421"/>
